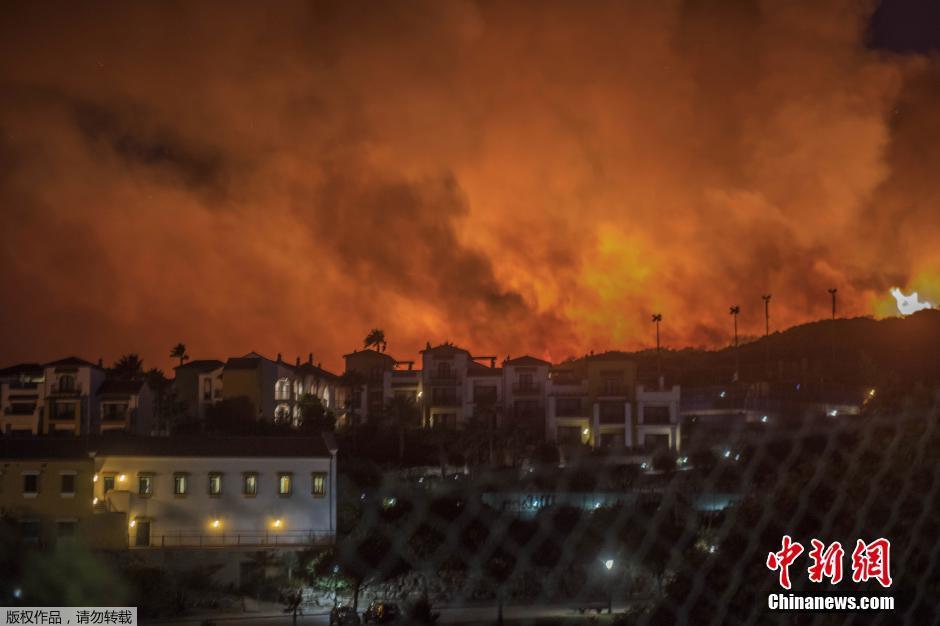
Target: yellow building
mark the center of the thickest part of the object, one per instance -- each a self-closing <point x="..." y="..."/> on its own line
<point x="47" y="488"/>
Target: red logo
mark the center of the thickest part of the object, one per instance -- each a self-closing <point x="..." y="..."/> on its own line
<point x="872" y="560"/>
<point x="827" y="563"/>
<point x="782" y="560"/>
<point x="869" y="561"/>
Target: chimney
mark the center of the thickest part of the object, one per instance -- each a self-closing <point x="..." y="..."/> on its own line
<point x="310" y="358"/>
<point x="298" y="360"/>
<point x="493" y="362"/>
<point x="278" y="357"/>
<point x="100" y="362"/>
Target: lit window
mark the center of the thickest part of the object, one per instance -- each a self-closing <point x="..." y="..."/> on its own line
<point x="31" y="484"/>
<point x="319" y="484"/>
<point x="67" y="484"/>
<point x="215" y="484"/>
<point x="283" y="484"/>
<point x="145" y="485"/>
<point x="180" y="484"/>
<point x="282" y="389"/>
<point x="250" y="487"/>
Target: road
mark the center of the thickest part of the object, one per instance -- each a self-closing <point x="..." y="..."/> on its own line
<point x="449" y="615"/>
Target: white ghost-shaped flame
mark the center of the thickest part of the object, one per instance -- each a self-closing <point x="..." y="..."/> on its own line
<point x="909" y="304"/>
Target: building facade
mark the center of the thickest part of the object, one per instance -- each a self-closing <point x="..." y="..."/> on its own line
<point x="70" y="388"/>
<point x="21" y="399"/>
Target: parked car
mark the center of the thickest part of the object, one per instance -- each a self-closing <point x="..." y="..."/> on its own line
<point x="381" y="613"/>
<point x="344" y="616"/>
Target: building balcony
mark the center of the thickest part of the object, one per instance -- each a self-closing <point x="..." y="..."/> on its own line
<point x="59" y="392"/>
<point x="527" y="388"/>
<point x="613" y="391"/>
<point x="443" y="378"/>
<point x="240" y="539"/>
<point x="63" y="417"/>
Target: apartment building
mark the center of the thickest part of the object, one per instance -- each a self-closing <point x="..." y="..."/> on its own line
<point x="456" y="386"/>
<point x="21" y="399"/>
<point x="312" y="381"/>
<point x="69" y="390"/>
<point x="207" y="501"/>
<point x="126" y="406"/>
<point x="595" y="401"/>
<point x="267" y="384"/>
<point x="198" y="385"/>
<point x="365" y="374"/>
<point x="525" y="384"/>
<point x="47" y="488"/>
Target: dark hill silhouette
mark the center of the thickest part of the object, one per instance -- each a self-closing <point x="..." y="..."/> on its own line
<point x="856" y="351"/>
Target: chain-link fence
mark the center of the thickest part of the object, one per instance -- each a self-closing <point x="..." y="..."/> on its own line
<point x="685" y="541"/>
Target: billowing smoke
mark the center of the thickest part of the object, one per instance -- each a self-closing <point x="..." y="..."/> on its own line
<point x="515" y="177"/>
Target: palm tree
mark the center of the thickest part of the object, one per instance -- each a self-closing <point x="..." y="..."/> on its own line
<point x="376" y="338"/>
<point x="179" y="352"/>
<point x="128" y="367"/>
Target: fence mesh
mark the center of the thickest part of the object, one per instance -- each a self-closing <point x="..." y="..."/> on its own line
<point x="686" y="545"/>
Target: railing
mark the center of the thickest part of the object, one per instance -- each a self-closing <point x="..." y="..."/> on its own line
<point x="75" y="390"/>
<point x="245" y="539"/>
<point x="443" y="378"/>
<point x="533" y="387"/>
<point x="612" y="390"/>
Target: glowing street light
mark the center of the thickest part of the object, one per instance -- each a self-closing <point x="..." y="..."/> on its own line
<point x="133" y="523"/>
<point x="277" y="523"/>
<point x="609" y="564"/>
<point x="122" y="478"/>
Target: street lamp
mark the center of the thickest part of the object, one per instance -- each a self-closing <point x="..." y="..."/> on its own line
<point x="609" y="564"/>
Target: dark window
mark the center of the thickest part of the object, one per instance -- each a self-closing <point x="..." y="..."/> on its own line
<point x="66" y="383"/>
<point x="30" y="483"/>
<point x="30" y="530"/>
<point x="445" y="420"/>
<point x="612" y="412"/>
<point x="484" y="393"/>
<point x="108" y="483"/>
<point x="207" y="389"/>
<point x="569" y="434"/>
<point x="445" y="396"/>
<point x="656" y="415"/>
<point x="145" y="486"/>
<point x="142" y="534"/>
<point x="68" y="483"/>
<point x="568" y="407"/>
<point x="654" y="442"/>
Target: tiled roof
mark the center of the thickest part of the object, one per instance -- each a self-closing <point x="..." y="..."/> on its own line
<point x="526" y="360"/>
<point x="21" y="368"/>
<point x="203" y="365"/>
<point x="73" y="361"/>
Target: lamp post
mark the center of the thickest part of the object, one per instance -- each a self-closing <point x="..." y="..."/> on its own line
<point x="734" y="310"/>
<point x="657" y="318"/>
<point x="609" y="564"/>
<point x="832" y="292"/>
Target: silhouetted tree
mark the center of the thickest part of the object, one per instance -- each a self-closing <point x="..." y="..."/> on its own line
<point x="128" y="367"/>
<point x="376" y="339"/>
<point x="179" y="352"/>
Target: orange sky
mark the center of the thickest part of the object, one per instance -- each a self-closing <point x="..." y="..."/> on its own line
<point x="515" y="176"/>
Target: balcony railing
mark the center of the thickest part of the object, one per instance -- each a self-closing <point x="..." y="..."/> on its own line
<point x="444" y="378"/>
<point x="74" y="390"/>
<point x="523" y="388"/>
<point x="246" y="539"/>
<point x="63" y="417"/>
<point x="612" y="390"/>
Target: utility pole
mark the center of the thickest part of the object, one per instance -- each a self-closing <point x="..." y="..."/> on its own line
<point x="734" y="310"/>
<point x="766" y="299"/>
<point x="832" y="292"/>
<point x="657" y="318"/>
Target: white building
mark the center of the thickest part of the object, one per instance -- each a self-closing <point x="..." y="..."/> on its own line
<point x="21" y="399"/>
<point x="70" y="388"/>
<point x="205" y="494"/>
<point x="126" y="405"/>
